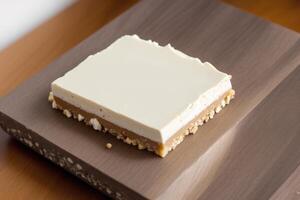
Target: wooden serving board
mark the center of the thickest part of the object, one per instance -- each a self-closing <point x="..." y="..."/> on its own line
<point x="246" y="152"/>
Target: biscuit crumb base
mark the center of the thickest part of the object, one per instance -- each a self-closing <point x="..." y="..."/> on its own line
<point x="108" y="145"/>
<point x="134" y="139"/>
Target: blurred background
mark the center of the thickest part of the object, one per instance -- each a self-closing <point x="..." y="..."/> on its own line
<point x="33" y="33"/>
<point x="20" y="17"/>
<point x="283" y="12"/>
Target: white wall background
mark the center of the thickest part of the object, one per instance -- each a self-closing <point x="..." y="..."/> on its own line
<point x="18" y="17"/>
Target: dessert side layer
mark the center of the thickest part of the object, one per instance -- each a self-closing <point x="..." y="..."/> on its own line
<point x="134" y="139"/>
<point x="145" y="88"/>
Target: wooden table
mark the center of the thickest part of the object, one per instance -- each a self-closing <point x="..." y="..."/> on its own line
<point x="23" y="174"/>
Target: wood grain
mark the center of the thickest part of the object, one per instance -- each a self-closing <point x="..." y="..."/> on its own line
<point x="284" y="12"/>
<point x="265" y="148"/>
<point x="23" y="174"/>
<point x="235" y="42"/>
<point x="290" y="189"/>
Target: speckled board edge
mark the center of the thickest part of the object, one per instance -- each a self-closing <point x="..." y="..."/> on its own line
<point x="65" y="160"/>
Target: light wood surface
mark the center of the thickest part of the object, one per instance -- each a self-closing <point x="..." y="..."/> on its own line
<point x="248" y="139"/>
<point x="23" y="174"/>
<point x="284" y="12"/>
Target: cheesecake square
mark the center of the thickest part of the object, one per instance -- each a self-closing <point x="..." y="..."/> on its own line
<point x="144" y="94"/>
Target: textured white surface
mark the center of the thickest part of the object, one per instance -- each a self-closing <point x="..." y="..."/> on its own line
<point x="18" y="17"/>
<point x="143" y="87"/>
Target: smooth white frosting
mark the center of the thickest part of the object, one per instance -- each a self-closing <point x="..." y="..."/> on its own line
<point x="143" y="87"/>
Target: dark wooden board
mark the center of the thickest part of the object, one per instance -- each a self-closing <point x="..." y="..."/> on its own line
<point x="290" y="188"/>
<point x="245" y="152"/>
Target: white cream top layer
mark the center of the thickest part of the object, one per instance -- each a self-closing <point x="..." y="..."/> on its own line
<point x="146" y="88"/>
